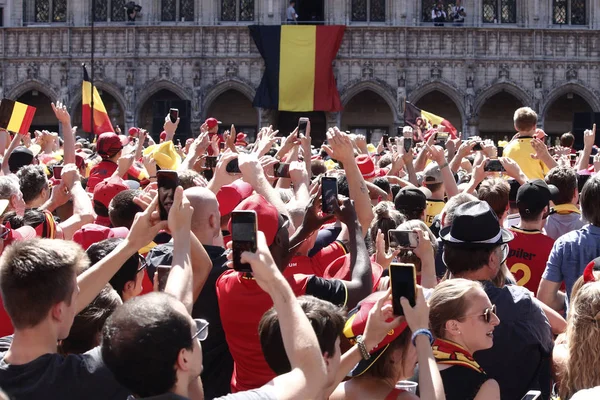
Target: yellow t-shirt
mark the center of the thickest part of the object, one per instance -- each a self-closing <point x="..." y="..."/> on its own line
<point x="520" y="150"/>
<point x="434" y="207"/>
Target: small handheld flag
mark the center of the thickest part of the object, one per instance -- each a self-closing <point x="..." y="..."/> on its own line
<point x="412" y="112"/>
<point x="100" y="117"/>
<point x="16" y="117"/>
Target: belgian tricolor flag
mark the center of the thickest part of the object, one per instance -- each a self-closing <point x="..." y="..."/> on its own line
<point x="298" y="73"/>
<point x="412" y="112"/>
<point x="101" y="120"/>
<point x="16" y="117"/>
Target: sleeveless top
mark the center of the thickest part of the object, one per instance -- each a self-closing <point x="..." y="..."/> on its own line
<point x="461" y="383"/>
<point x="393" y="395"/>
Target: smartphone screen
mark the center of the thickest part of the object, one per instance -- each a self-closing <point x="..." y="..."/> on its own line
<point x="329" y="194"/>
<point x="403" y="239"/>
<point x="532" y="395"/>
<point x="243" y="237"/>
<point x="222" y="146"/>
<point x="493" y="166"/>
<point x="233" y="167"/>
<point x="302" y="126"/>
<point x="163" y="274"/>
<point x="386" y="139"/>
<point x="211" y="162"/>
<point x="477" y="147"/>
<point x="281" y="170"/>
<point x="173" y="114"/>
<point x="408" y="144"/>
<point x="167" y="183"/>
<point x="57" y="171"/>
<point x="403" y="280"/>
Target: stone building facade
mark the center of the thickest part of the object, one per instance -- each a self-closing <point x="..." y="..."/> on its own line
<point x="198" y="55"/>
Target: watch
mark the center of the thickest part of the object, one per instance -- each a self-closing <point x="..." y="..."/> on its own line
<point x="360" y="341"/>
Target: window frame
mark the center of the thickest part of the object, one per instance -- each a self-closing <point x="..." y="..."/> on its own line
<point x="27" y="3"/>
<point x="178" y="13"/>
<point x="109" y="13"/>
<point x="499" y="13"/>
<point x="368" y="13"/>
<point x="237" y="13"/>
<point x="569" y="15"/>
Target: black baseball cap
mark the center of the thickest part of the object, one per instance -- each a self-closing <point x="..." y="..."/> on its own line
<point x="410" y="199"/>
<point x="534" y="196"/>
<point x="20" y="157"/>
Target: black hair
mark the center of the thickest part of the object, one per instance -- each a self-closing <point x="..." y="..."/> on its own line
<point x="127" y="272"/>
<point x="141" y="342"/>
<point x="122" y="209"/>
<point x="465" y="259"/>
<point x="342" y="184"/>
<point x="382" y="183"/>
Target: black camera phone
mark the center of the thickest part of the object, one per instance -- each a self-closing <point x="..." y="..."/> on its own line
<point x="233" y="167"/>
<point x="243" y="237"/>
<point x="302" y="122"/>
<point x="211" y="162"/>
<point x="173" y="114"/>
<point x="329" y="194"/>
<point x="281" y="170"/>
<point x="167" y="183"/>
<point x="493" y="165"/>
<point x="403" y="280"/>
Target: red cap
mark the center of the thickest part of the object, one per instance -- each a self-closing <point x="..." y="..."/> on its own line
<point x="16" y="235"/>
<point x="229" y="196"/>
<point x="109" y="144"/>
<point x="133" y="131"/>
<point x="366" y="166"/>
<point x="79" y="161"/>
<point x="240" y="139"/>
<point x="212" y="122"/>
<point x="267" y="216"/>
<point x="163" y="135"/>
<point x="109" y="188"/>
<point x="340" y="269"/>
<point x="93" y="233"/>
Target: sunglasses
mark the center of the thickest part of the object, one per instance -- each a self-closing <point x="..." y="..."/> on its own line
<point x="4" y="232"/>
<point x="202" y="330"/>
<point x="143" y="263"/>
<point x="487" y="314"/>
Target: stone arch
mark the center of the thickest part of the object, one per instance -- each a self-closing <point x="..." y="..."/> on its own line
<point x="111" y="89"/>
<point x="510" y="87"/>
<point x="572" y="87"/>
<point x="155" y="87"/>
<point x="417" y="93"/>
<point x="34" y="84"/>
<point x="349" y="92"/>
<point x="215" y="91"/>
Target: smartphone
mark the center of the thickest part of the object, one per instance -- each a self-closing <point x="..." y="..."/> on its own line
<point x="163" y="274"/>
<point x="173" y="114"/>
<point x="281" y="170"/>
<point x="222" y="146"/>
<point x="573" y="157"/>
<point x="329" y="194"/>
<point x="167" y="183"/>
<point x="386" y="139"/>
<point x="403" y="279"/>
<point x="302" y="122"/>
<point x="408" y="144"/>
<point x="233" y="167"/>
<point x="532" y="395"/>
<point x="57" y="171"/>
<point x="403" y="239"/>
<point x="591" y="160"/>
<point x="211" y="162"/>
<point x="493" y="166"/>
<point x="500" y="151"/>
<point x="477" y="147"/>
<point x="243" y="237"/>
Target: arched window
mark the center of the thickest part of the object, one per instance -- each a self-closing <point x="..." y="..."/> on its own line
<point x="237" y="10"/>
<point x="568" y="12"/>
<point x="368" y="10"/>
<point x="499" y="11"/>
<point x="110" y="10"/>
<point x="44" y="11"/>
<point x="177" y="10"/>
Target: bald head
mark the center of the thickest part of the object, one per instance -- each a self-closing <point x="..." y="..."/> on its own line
<point x="206" y="210"/>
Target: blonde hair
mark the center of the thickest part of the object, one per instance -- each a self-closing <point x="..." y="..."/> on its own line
<point x="525" y="119"/>
<point x="386" y="218"/>
<point x="449" y="301"/>
<point x="583" y="342"/>
<point x="408" y="256"/>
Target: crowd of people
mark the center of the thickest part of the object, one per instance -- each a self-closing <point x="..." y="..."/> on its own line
<point x="507" y="256"/>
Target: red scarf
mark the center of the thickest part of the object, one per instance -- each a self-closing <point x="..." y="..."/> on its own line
<point x="447" y="352"/>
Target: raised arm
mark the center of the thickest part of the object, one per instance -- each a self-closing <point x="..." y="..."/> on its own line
<point x="15" y="142"/>
<point x="60" y="110"/>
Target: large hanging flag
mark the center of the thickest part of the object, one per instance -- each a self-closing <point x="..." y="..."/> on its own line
<point x="412" y="112"/>
<point x="16" y="117"/>
<point x="101" y="120"/>
<point x="298" y="73"/>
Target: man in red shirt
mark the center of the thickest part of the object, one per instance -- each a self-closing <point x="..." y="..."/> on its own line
<point x="530" y="249"/>
<point x="213" y="129"/>
<point x="110" y="147"/>
<point x="242" y="302"/>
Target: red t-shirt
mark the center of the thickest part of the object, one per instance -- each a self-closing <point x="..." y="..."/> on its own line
<point x="527" y="257"/>
<point x="105" y="169"/>
<point x="6" y="327"/>
<point x="316" y="264"/>
<point x="242" y="304"/>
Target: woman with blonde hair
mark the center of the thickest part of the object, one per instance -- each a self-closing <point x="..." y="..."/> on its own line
<point x="577" y="362"/>
<point x="463" y="319"/>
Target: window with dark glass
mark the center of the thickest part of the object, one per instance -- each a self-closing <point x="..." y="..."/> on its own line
<point x="568" y="12"/>
<point x="237" y="10"/>
<point x="44" y="11"/>
<point x="177" y="10"/>
<point x="499" y="11"/>
<point x="368" y="10"/>
<point x="427" y="7"/>
<point x="110" y="10"/>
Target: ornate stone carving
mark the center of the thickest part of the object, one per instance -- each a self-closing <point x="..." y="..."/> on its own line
<point x="470" y="76"/>
<point x="538" y="76"/>
<point x="98" y="70"/>
<point x="367" y="70"/>
<point x="572" y="72"/>
<point x="64" y="74"/>
<point x="436" y="70"/>
<point x="232" y="69"/>
<point x="164" y="71"/>
<point x="197" y="74"/>
<point x="504" y="71"/>
<point x="32" y="71"/>
<point x="401" y="78"/>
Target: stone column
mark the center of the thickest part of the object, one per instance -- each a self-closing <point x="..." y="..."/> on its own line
<point x="130" y="101"/>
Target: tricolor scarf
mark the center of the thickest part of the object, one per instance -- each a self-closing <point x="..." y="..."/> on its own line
<point x="447" y="352"/>
<point x="46" y="229"/>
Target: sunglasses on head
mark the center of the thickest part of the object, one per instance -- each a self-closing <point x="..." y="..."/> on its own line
<point x="201" y="329"/>
<point x="143" y="263"/>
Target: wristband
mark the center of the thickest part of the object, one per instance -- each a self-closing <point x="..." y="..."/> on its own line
<point x="425" y="332"/>
<point x="360" y="341"/>
<point x="444" y="165"/>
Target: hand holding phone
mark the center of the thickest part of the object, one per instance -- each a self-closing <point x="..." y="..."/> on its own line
<point x="281" y="170"/>
<point x="173" y="114"/>
<point x="329" y="194"/>
<point x="477" y="147"/>
<point x="233" y="167"/>
<point x="403" y="280"/>
<point x="302" y="122"/>
<point x="493" y="165"/>
<point x="162" y="272"/>
<point x="403" y="239"/>
<point x="243" y="237"/>
<point x="211" y="162"/>
<point x="167" y="183"/>
<point x="57" y="171"/>
<point x="532" y="395"/>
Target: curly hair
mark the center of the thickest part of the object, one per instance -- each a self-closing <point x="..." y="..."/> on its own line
<point x="583" y="342"/>
<point x="386" y="218"/>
